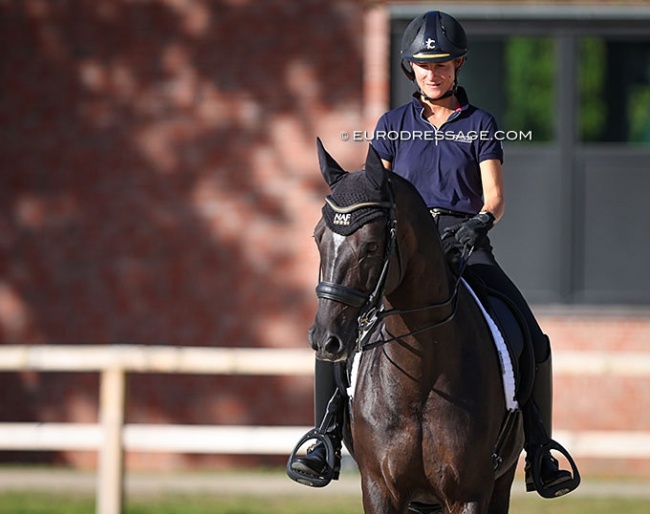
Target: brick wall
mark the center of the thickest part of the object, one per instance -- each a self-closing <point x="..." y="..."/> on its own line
<point x="159" y="185"/>
<point x="601" y="402"/>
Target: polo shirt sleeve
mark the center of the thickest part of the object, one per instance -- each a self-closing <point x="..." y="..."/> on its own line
<point x="490" y="147"/>
<point x="381" y="143"/>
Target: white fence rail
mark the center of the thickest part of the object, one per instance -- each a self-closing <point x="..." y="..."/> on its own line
<point x="111" y="437"/>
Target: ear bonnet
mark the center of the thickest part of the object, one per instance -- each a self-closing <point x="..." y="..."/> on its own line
<point x="345" y="212"/>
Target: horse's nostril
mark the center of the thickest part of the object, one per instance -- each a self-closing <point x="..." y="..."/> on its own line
<point x="311" y="338"/>
<point x="333" y="345"/>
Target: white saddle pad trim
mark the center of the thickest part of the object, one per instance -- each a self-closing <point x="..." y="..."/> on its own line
<point x="507" y="369"/>
<point x="354" y="374"/>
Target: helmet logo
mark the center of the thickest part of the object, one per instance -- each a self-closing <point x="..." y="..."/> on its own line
<point x="431" y="44"/>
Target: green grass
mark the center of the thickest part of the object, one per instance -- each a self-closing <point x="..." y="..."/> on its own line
<point x="51" y="503"/>
<point x="48" y="503"/>
<point x="251" y="505"/>
<point x="44" y="503"/>
<point x="535" y="505"/>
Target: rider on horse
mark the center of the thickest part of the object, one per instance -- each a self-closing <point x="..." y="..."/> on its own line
<point x="461" y="182"/>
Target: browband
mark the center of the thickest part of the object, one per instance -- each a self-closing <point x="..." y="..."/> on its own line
<point x="356" y="206"/>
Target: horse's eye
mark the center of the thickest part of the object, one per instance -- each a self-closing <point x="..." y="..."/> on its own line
<point x="372" y="248"/>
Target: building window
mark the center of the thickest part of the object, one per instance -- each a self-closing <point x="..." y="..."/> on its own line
<point x="514" y="79"/>
<point x="614" y="90"/>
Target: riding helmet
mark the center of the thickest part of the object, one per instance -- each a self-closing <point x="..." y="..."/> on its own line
<point x="434" y="36"/>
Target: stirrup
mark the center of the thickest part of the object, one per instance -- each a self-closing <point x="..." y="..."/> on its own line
<point x="330" y="457"/>
<point x="321" y="434"/>
<point x="557" y="490"/>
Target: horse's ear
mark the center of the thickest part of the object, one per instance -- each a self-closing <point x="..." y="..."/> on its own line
<point x="331" y="170"/>
<point x="376" y="174"/>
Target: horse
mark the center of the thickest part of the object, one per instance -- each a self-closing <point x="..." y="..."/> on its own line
<point x="428" y="411"/>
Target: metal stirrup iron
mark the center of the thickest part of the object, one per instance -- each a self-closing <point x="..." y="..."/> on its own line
<point x="321" y="435"/>
<point x="564" y="487"/>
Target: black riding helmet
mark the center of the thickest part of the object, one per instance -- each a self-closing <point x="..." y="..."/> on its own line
<point x="434" y="36"/>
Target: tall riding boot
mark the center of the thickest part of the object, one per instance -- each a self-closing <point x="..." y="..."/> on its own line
<point x="538" y="415"/>
<point x="324" y="388"/>
<point x="315" y="463"/>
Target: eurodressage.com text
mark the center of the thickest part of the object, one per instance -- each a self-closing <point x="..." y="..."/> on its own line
<point x="437" y="135"/>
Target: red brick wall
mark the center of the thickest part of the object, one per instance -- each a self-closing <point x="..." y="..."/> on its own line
<point x="601" y="402"/>
<point x="159" y="185"/>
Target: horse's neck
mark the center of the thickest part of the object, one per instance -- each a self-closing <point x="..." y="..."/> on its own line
<point x="426" y="280"/>
<point x="426" y="287"/>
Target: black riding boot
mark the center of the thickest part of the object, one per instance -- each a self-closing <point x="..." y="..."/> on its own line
<point x="538" y="411"/>
<point x="315" y="463"/>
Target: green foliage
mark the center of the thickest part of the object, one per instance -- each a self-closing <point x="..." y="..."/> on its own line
<point x="639" y="113"/>
<point x="530" y="85"/>
<point x="591" y="81"/>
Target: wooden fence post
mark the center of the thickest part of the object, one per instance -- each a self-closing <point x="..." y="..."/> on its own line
<point x="110" y="483"/>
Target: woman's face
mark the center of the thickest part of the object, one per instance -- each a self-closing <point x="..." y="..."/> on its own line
<point x="435" y="79"/>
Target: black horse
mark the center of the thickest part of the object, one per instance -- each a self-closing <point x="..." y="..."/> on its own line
<point x="428" y="413"/>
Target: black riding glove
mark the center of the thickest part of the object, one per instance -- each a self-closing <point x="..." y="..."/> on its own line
<point x="473" y="231"/>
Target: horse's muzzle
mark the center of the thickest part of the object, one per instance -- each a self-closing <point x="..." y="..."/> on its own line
<point x="328" y="346"/>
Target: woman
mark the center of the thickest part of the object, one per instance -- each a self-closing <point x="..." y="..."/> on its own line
<point x="448" y="150"/>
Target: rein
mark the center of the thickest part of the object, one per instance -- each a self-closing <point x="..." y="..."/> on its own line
<point x="372" y="311"/>
<point x="368" y="324"/>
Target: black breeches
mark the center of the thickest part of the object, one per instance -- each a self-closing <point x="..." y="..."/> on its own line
<point x="483" y="264"/>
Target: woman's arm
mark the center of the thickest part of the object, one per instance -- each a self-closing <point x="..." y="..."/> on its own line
<point x="492" y="180"/>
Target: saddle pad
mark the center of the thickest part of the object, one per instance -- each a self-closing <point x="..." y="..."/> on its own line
<point x="356" y="359"/>
<point x="507" y="369"/>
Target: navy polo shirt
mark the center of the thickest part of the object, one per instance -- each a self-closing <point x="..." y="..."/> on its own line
<point x="442" y="163"/>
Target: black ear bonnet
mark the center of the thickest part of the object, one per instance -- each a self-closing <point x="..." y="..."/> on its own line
<point x="351" y="190"/>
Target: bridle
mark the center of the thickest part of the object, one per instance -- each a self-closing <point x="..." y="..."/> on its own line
<point x="353" y="297"/>
<point x="372" y="310"/>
